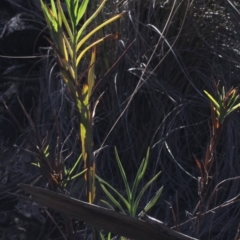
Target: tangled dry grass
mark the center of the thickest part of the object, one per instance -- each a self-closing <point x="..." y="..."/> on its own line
<point x="165" y="54"/>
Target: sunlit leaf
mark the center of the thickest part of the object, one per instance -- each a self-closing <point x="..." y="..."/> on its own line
<point x="83" y="40"/>
<point x="36" y="164"/>
<point x="53" y="8"/>
<point x="80" y="11"/>
<point x="212" y="100"/>
<point x="89" y="47"/>
<point x="51" y="21"/>
<point x="233" y="108"/>
<point x="65" y="33"/>
<point x="68" y="46"/>
<point x="89" y="20"/>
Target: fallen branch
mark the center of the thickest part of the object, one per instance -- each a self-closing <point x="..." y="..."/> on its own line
<point x="103" y="218"/>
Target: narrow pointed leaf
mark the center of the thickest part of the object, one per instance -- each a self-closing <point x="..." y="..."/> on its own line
<point x="233" y="108"/>
<point x="112" y="199"/>
<point x="59" y="17"/>
<point x="116" y="203"/>
<point x="80" y="12"/>
<point x="140" y="174"/>
<point x="123" y="174"/>
<point x="77" y="162"/>
<point x="64" y="50"/>
<point x="65" y="22"/>
<point x="70" y="11"/>
<point x="75" y="8"/>
<point x="53" y="8"/>
<point x="138" y="178"/>
<point x="232" y="101"/>
<point x="95" y="30"/>
<point x="51" y="21"/>
<point x="78" y="174"/>
<point x="213" y="100"/>
<point x="89" y="47"/>
<point x="153" y="201"/>
<point x="142" y="192"/>
<point x="68" y="46"/>
<point x="217" y="112"/>
<point x="104" y="183"/>
<point x="89" y="20"/>
<point x="68" y="5"/>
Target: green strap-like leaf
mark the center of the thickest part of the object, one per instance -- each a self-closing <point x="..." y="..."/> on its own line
<point x="70" y="9"/>
<point x="232" y="101"/>
<point x="59" y="16"/>
<point x="68" y="4"/>
<point x="112" y="198"/>
<point x="87" y="48"/>
<point x="53" y="8"/>
<point x="51" y="21"/>
<point x="233" y="108"/>
<point x="136" y="203"/>
<point x="102" y="182"/>
<point x="140" y="173"/>
<point x="77" y="175"/>
<point x="80" y="11"/>
<point x="65" y="22"/>
<point x="77" y="162"/>
<point x="68" y="46"/>
<point x="123" y="174"/>
<point x="97" y="29"/>
<point x="153" y="201"/>
<point x="63" y="48"/>
<point x="213" y="100"/>
<point x="89" y="20"/>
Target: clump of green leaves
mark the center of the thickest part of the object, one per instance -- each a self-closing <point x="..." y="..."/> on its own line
<point x="131" y="202"/>
<point x="65" y="175"/>
<point x="70" y="44"/>
<point x="134" y="195"/>
<point x="224" y="104"/>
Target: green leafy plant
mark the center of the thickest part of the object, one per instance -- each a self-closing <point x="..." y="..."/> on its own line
<point x="70" y="44"/>
<point x="67" y="174"/>
<point x="224" y="104"/>
<point x="131" y="202"/>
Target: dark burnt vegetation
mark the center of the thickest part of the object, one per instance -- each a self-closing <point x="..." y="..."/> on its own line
<point x="174" y="51"/>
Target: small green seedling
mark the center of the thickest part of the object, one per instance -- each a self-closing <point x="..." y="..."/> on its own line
<point x="224" y="104"/>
